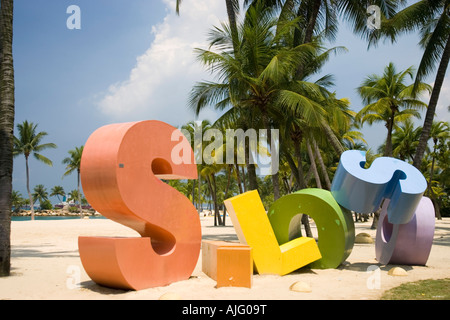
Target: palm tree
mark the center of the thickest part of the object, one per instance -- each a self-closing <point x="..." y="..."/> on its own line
<point x="232" y="11"/>
<point x="194" y="133"/>
<point x="209" y="172"/>
<point x="389" y="100"/>
<point x="57" y="191"/>
<point x="440" y="133"/>
<point x="16" y="200"/>
<point x="404" y="141"/>
<point x="432" y="20"/>
<point x="40" y="194"/>
<point x="76" y="196"/>
<point x="6" y="132"/>
<point x="29" y="142"/>
<point x="253" y="79"/>
<point x="73" y="163"/>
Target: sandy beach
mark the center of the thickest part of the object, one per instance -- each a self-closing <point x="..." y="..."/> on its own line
<point x="45" y="264"/>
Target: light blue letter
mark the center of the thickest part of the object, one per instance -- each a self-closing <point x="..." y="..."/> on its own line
<point x="363" y="190"/>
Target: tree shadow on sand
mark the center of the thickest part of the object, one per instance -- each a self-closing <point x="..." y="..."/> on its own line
<point x="94" y="287"/>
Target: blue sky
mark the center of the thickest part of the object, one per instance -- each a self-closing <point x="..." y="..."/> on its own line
<point x="133" y="60"/>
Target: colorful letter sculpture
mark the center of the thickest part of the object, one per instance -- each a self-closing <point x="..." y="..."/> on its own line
<point x="120" y="171"/>
<point x="335" y="226"/>
<point x="406" y="226"/>
<point x="408" y="243"/>
<point x="363" y="190"/>
<point x="254" y="229"/>
<point x="229" y="263"/>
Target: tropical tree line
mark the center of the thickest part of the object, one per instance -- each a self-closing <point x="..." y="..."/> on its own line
<point x="29" y="142"/>
<point x="41" y="194"/>
<point x="268" y="68"/>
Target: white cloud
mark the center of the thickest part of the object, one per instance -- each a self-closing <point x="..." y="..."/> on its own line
<point x="442" y="113"/>
<point x="159" y="84"/>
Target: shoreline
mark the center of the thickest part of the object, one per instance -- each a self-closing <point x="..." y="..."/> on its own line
<point x="45" y="264"/>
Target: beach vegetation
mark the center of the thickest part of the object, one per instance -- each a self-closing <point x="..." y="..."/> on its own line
<point x="268" y="75"/>
<point x="73" y="164"/>
<point x="57" y="191"/>
<point x="29" y="142"/>
<point x="431" y="20"/>
<point x="390" y="100"/>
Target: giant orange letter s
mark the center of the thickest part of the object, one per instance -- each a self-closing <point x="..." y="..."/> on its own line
<point x="120" y="171"/>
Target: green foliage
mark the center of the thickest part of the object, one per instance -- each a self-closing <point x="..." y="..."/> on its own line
<point x="74" y="209"/>
<point x="46" y="205"/>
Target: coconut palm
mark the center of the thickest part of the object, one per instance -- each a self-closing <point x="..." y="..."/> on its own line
<point x="75" y="196"/>
<point x="232" y="11"/>
<point x="194" y="132"/>
<point x="432" y="20"/>
<point x="57" y="191"/>
<point x="404" y="140"/>
<point x="28" y="143"/>
<point x="6" y="132"/>
<point x="440" y="134"/>
<point x="252" y="80"/>
<point x="73" y="163"/>
<point x="390" y="100"/>
<point x="40" y="194"/>
<point x="16" y="200"/>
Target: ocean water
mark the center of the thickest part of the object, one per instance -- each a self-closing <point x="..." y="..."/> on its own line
<point x="28" y="218"/>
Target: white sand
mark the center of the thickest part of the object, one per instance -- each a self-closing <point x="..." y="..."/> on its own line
<point x="46" y="265"/>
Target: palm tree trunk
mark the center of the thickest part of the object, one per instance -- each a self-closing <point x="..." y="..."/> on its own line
<point x="376" y="218"/>
<point x="313" y="165"/>
<point x="216" y="206"/>
<point x="300" y="179"/>
<point x="426" y="129"/>
<point x="229" y="168"/>
<point x="388" y="147"/>
<point x="430" y="189"/>
<point x="79" y="194"/>
<point x="275" y="176"/>
<point x="193" y="193"/>
<point x="244" y="183"/>
<point x="28" y="188"/>
<point x="312" y="19"/>
<point x="211" y="192"/>
<point x="233" y="25"/>
<point x="212" y="186"/>
<point x="251" y="170"/>
<point x="300" y="175"/>
<point x="332" y="139"/>
<point x="238" y="177"/>
<point x="322" y="165"/>
<point x="199" y="194"/>
<point x="6" y="132"/>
